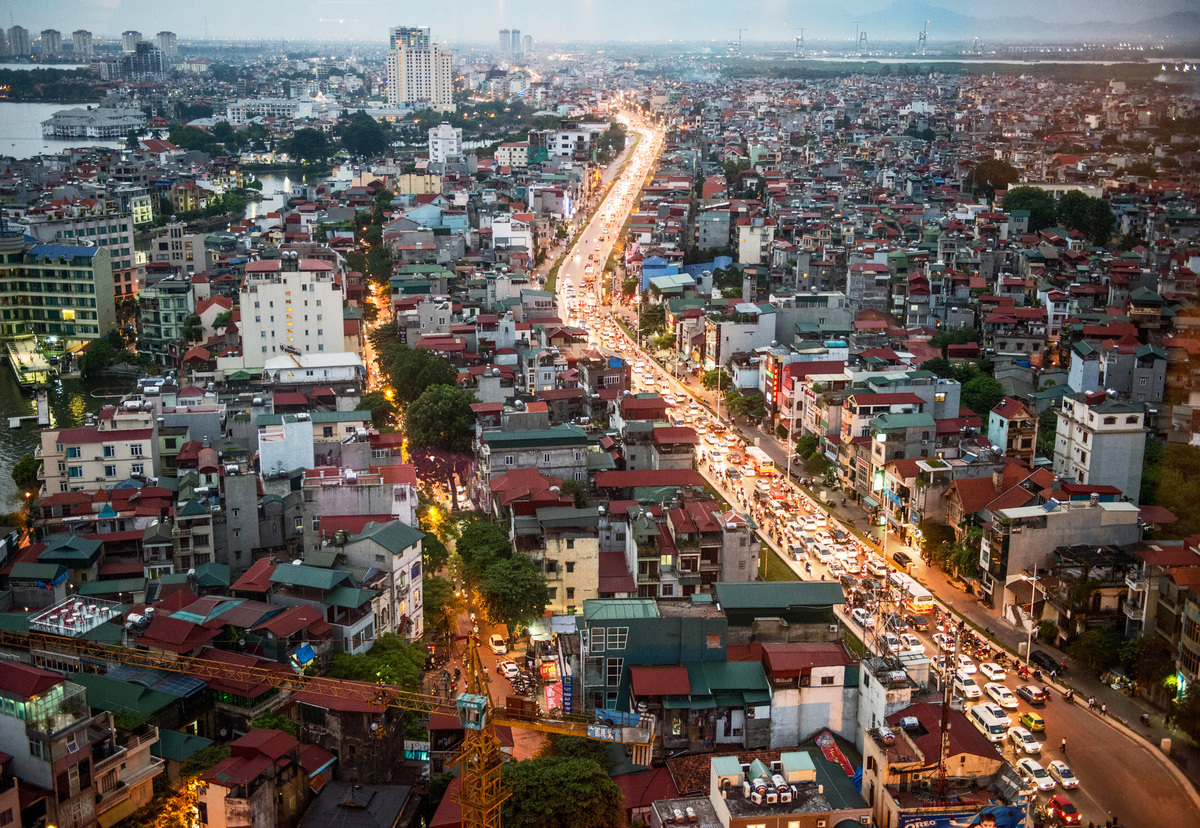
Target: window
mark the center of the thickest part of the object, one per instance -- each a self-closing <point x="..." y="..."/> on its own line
<point x="74" y="452"/>
<point x="570" y="543"/>
<point x="75" y="471"/>
<point x="615" y="667"/>
<point x="110" y="451"/>
<point x="508" y="459"/>
<point x="110" y="471"/>
<point x="138" y="468"/>
<point x="617" y="637"/>
<point x="826" y="680"/>
<point x="570" y="593"/>
<point x="135" y="449"/>
<point x="546" y="457"/>
<point x="570" y="564"/>
<point x="552" y="593"/>
<point x="597" y="636"/>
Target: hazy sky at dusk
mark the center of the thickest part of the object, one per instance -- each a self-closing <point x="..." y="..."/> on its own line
<point x="468" y="21"/>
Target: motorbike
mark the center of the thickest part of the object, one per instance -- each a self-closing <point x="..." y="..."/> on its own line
<point x="1048" y="693"/>
<point x="1023" y="672"/>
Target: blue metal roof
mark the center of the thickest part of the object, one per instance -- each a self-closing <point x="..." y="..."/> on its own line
<point x="56" y="251"/>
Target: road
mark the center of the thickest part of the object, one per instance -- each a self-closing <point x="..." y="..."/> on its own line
<point x="1121" y="774"/>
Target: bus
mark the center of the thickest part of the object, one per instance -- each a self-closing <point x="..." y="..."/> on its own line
<point x="764" y="466"/>
<point x="916" y="597"/>
<point x="993" y="729"/>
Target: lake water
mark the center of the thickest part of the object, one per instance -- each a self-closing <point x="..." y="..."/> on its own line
<point x="21" y="130"/>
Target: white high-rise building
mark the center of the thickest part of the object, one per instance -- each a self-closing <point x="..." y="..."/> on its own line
<point x="444" y="140"/>
<point x="129" y="41"/>
<point x="51" y="43"/>
<point x="81" y="42"/>
<point x="290" y="306"/>
<point x="505" y="41"/>
<point x="167" y="44"/>
<point x="527" y="45"/>
<point x="3" y="41"/>
<point x="420" y="74"/>
<point x="18" y="41"/>
<point x="516" y="43"/>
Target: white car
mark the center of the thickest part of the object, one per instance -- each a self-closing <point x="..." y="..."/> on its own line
<point x="993" y="671"/>
<point x="810" y="524"/>
<point x="825" y="555"/>
<point x="508" y="669"/>
<point x="836" y="570"/>
<point x="966" y="665"/>
<point x="943" y="641"/>
<point x="912" y="643"/>
<point x="1003" y="696"/>
<point x="1063" y="774"/>
<point x="891" y="642"/>
<point x="824" y="537"/>
<point x="1024" y="740"/>
<point x="821" y="519"/>
<point x="997" y="711"/>
<point x="496" y="642"/>
<point x="862" y="618"/>
<point x="1035" y="774"/>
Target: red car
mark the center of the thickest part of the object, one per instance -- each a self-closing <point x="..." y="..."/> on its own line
<point x="1060" y="808"/>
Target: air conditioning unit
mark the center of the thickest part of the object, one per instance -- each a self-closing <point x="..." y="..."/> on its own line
<point x="834" y="628"/>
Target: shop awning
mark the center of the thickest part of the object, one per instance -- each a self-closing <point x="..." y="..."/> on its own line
<point x="870" y="501"/>
<point x="123" y="811"/>
<point x="685" y="703"/>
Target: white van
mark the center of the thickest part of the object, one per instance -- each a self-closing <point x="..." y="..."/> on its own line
<point x="965" y="686"/>
<point x="993" y="728"/>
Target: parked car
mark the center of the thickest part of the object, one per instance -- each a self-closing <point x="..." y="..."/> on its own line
<point x="902" y="559"/>
<point x="1063" y="774"/>
<point x="508" y="669"/>
<point x="1044" y="660"/>
<point x="497" y="643"/>
<point x="1033" y="721"/>
<point x="1035" y="774"/>
<point x="1060" y="808"/>
<point x="1031" y="693"/>
<point x="1025" y="741"/>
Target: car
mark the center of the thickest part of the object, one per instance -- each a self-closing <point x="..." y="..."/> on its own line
<point x="1033" y="721"/>
<point x="1031" y="693"/>
<point x="1024" y="740"/>
<point x="993" y="671"/>
<point x="1063" y="774"/>
<point x="896" y="622"/>
<point x="824" y="537"/>
<point x="902" y="559"/>
<point x="943" y="641"/>
<point x="821" y="519"/>
<point x="508" y="669"/>
<point x="1060" y="808"/>
<point x="810" y="524"/>
<point x="836" y="569"/>
<point x="912" y="643"/>
<point x="498" y="644"/>
<point x="862" y="618"/>
<point x="995" y="710"/>
<point x="1002" y="695"/>
<point x="966" y="665"/>
<point x="917" y="622"/>
<point x="966" y="686"/>
<point x="824" y="555"/>
<point x="1033" y="773"/>
<point x="1045" y="661"/>
<point x="891" y="642"/>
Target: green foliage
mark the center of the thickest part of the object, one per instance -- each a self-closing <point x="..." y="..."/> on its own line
<point x="576" y="489"/>
<point x="204" y="759"/>
<point x="1038" y="202"/>
<point x="818" y="465"/>
<point x="748" y="405"/>
<point x="383" y="410"/>
<point x="222" y="320"/>
<point x="391" y="660"/>
<point x="807" y="446"/>
<point x="988" y="176"/>
<point x="937" y="542"/>
<point x="102" y="354"/>
<point x="561" y="793"/>
<point x="653" y="318"/>
<point x="25" y="473"/>
<point x="1097" y="649"/>
<point x="709" y="379"/>
<point x="1147" y="659"/>
<point x="1091" y="216"/>
<point x="940" y="366"/>
<point x="513" y="592"/>
<point x="958" y="336"/>
<point x="57" y="85"/>
<point x="309" y="145"/>
<point x="193" y="329"/>
<point x="439" y="600"/>
<point x="276" y="721"/>
<point x="411" y="371"/>
<point x="1185" y="714"/>
<point x="480" y="544"/>
<point x="364" y="137"/>
<point x="1178" y="485"/>
<point x="441" y="419"/>
<point x="434" y="554"/>
<point x="981" y="395"/>
<point x="1048" y="632"/>
<point x="1047" y="428"/>
<point x="629" y="288"/>
<point x="128" y="721"/>
<point x="610" y="143"/>
<point x="733" y="169"/>
<point x="665" y="341"/>
<point x="576" y="747"/>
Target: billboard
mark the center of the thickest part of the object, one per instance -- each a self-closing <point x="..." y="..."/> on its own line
<point x="991" y="816"/>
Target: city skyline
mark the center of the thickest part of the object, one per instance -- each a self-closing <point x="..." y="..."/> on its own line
<point x="476" y="22"/>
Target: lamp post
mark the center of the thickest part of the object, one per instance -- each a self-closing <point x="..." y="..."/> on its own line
<point x="1035" y="583"/>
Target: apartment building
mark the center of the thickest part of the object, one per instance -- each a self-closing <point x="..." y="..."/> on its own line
<point x="1101" y="441"/>
<point x="116" y="445"/>
<point x="289" y="306"/>
<point x="444" y="141"/>
<point x="420" y="76"/>
<point x="113" y="232"/>
<point x="163" y="308"/>
<point x="1013" y="426"/>
<point x="55" y="291"/>
<point x="181" y="249"/>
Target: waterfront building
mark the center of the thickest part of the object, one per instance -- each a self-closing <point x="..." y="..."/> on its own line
<point x="101" y="124"/>
<point x="167" y="44"/>
<point x="112" y="231"/>
<point x="81" y="44"/>
<point x="51" y="43"/>
<point x="164" y="307"/>
<point x="61" y="292"/>
<point x="18" y="41"/>
<point x="129" y="41"/>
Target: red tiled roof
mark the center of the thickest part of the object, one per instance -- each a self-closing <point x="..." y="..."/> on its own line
<point x="676" y="436"/>
<point x="647" y="477"/>
<point x="25" y="681"/>
<point x="790" y="660"/>
<point x="614" y="573"/>
<point x="963" y="737"/>
<point x="257" y="578"/>
<point x="659" y="681"/>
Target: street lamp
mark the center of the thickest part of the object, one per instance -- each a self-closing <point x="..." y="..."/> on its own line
<point x="1035" y="583"/>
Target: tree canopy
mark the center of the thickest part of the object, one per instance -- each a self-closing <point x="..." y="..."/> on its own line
<point x="391" y="660"/>
<point x="1038" y="202"/>
<point x="25" y="473"/>
<point x="988" y="176"/>
<point x="981" y="395"/>
<point x="480" y="544"/>
<point x="552" y="792"/>
<point x="1089" y="215"/>
<point x="442" y="419"/>
<point x="513" y="591"/>
<point x="363" y="136"/>
<point x="309" y="145"/>
<point x="382" y="409"/>
<point x="410" y="371"/>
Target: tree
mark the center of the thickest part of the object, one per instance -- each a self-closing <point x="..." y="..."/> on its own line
<point x="193" y="329"/>
<point x="818" y="465"/>
<point x="988" y="176"/>
<point x="1147" y="659"/>
<point x="1047" y="428"/>
<point x="309" y="145"/>
<point x="807" y="446"/>
<point x="434" y="554"/>
<point x="1097" y="649"/>
<point x="576" y="489"/>
<point x="561" y="793"/>
<point x="958" y="336"/>
<point x="937" y="542"/>
<point x="1038" y="202"/>
<point x="410" y="371"/>
<point x="981" y="395"/>
<point x="222" y="320"/>
<point x="513" y="592"/>
<point x="391" y="660"/>
<point x="439" y="600"/>
<point x="1185" y="713"/>
<point x="481" y="544"/>
<point x="441" y="418"/>
<point x="577" y="747"/>
<point x="1093" y="217"/>
<point x="709" y="379"/>
<point x="1178" y="488"/>
<point x="940" y="366"/>
<point x="25" y="474"/>
<point x="276" y="721"/>
<point x="99" y="355"/>
<point x="382" y="409"/>
<point x="363" y="136"/>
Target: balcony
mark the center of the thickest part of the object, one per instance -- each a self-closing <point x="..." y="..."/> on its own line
<point x="1135" y="610"/>
<point x="1137" y="582"/>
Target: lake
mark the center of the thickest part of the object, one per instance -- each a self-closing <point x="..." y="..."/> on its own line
<point x="21" y="130"/>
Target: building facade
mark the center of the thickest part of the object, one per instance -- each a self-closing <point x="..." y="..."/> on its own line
<point x="55" y="290"/>
<point x="290" y="306"/>
<point x="1101" y="442"/>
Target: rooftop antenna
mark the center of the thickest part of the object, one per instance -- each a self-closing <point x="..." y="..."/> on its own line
<point x="921" y="38"/>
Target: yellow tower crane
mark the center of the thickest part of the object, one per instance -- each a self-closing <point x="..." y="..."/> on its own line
<point x="482" y="792"/>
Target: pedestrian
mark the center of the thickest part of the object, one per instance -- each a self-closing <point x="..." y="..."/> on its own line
<point x="1064" y="745"/>
<point x="1104" y="710"/>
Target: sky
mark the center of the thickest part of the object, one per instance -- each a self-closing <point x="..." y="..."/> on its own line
<point x="478" y="21"/>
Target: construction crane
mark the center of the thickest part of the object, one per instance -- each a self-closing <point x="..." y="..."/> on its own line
<point x="482" y="791"/>
<point x="921" y="38"/>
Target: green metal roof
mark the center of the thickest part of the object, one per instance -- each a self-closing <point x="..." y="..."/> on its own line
<point x="36" y="572"/>
<point x="212" y="575"/>
<point x="112" y="587"/>
<point x="616" y="609"/>
<point x="393" y="536"/>
<point x="176" y="746"/>
<point x="121" y="696"/>
<point x="349" y="597"/>
<point x="770" y="595"/>
<point x="309" y="576"/>
<point x="323" y="558"/>
<point x="340" y="416"/>
<point x="71" y="551"/>
<point x="889" y="421"/>
<point x="568" y="434"/>
<point x="568" y="516"/>
<point x="14" y="621"/>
